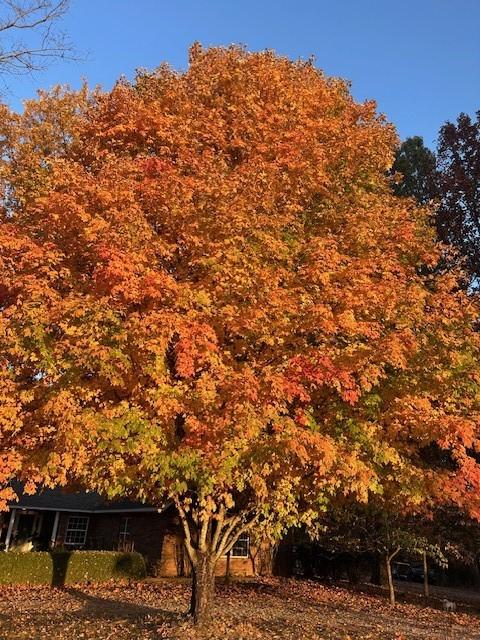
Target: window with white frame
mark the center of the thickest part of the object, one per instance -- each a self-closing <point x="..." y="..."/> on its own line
<point x="124" y="534"/>
<point x="241" y="547"/>
<point x="76" y="532"/>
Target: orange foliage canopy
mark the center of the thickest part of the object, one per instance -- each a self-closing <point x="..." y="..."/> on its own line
<point x="208" y="293"/>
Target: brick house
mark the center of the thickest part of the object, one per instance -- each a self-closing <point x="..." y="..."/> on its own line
<point x="54" y="519"/>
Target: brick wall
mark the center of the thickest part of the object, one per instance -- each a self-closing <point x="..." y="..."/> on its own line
<point x="146" y="533"/>
<point x="157" y="537"/>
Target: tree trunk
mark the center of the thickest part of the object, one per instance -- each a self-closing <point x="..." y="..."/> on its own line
<point x="253" y="560"/>
<point x="203" y="588"/>
<point x="391" y="589"/>
<point x="426" y="587"/>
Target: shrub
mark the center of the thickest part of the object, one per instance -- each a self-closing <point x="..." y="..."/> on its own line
<point x="69" y="567"/>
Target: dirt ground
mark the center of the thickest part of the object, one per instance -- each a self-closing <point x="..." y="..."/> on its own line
<point x="264" y="610"/>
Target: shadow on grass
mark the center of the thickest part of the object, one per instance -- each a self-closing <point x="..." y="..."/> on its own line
<point x="112" y="609"/>
<point x="94" y="608"/>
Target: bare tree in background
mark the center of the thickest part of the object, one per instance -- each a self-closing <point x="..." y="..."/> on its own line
<point x="30" y="36"/>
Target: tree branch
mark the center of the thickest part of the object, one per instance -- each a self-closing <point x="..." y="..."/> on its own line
<point x="202" y="538"/>
<point x="38" y="19"/>
<point x="219" y="526"/>
<point x="186" y="529"/>
<point x="233" y="522"/>
<point x="226" y="545"/>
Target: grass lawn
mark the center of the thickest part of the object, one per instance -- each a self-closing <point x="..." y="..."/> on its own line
<point x="266" y="609"/>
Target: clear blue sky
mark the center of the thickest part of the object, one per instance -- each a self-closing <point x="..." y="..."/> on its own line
<point x="419" y="59"/>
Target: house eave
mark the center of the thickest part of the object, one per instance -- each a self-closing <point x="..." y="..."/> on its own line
<point x="25" y="507"/>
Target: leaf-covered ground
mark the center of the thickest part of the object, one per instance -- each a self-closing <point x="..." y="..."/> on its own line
<point x="268" y="609"/>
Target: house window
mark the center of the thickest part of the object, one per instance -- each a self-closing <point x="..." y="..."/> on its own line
<point x="241" y="547"/>
<point x="76" y="532"/>
<point x="124" y="534"/>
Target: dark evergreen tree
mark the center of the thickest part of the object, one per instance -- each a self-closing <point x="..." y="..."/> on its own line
<point x="458" y="189"/>
<point x="416" y="163"/>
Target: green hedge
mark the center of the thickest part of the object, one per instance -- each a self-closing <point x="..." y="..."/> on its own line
<point x="69" y="567"/>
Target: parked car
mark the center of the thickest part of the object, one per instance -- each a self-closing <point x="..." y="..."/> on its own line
<point x="401" y="570"/>
<point x="416" y="574"/>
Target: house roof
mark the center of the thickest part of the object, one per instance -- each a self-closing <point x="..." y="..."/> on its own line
<point x="59" y="499"/>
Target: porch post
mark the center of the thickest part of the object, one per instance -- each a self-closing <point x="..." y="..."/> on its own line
<point x="53" y="537"/>
<point x="11" y="524"/>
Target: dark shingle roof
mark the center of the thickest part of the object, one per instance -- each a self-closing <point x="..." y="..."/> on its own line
<point x="59" y="499"/>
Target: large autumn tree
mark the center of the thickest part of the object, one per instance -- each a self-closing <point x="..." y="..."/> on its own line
<point x="209" y="295"/>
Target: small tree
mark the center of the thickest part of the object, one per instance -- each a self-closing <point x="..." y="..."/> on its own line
<point x="210" y="295"/>
<point x="379" y="528"/>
